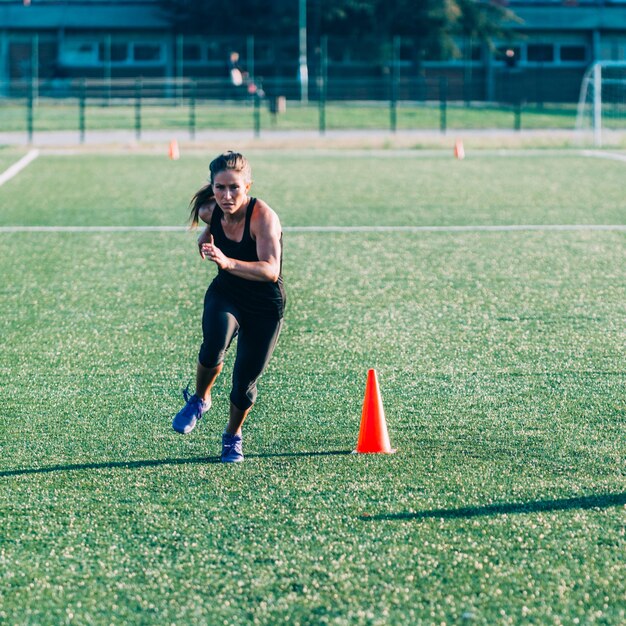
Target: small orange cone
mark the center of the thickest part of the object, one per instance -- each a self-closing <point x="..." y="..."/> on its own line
<point x="459" y="151"/>
<point x="373" y="435"/>
<point x="174" y="151"/>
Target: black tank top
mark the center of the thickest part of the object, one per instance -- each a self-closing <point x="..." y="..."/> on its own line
<point x="251" y="296"/>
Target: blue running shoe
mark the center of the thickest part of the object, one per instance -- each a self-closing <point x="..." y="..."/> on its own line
<point x="187" y="418"/>
<point x="232" y="448"/>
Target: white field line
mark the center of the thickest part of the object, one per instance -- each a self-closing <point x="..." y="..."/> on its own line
<point x="90" y="229"/>
<point x="604" y="155"/>
<point x="453" y="229"/>
<point x="16" y="168"/>
<point x="330" y="229"/>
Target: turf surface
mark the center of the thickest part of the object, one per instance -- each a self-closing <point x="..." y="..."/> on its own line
<point x="501" y="362"/>
<point x="325" y="190"/>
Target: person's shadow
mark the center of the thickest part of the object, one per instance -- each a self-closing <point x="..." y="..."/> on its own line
<point x="599" y="501"/>
<point x="200" y="460"/>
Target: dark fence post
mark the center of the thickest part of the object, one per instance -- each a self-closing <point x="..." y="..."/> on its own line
<point x="518" y="115"/>
<point x="321" y="83"/>
<point x="81" y="110"/>
<point x="192" y="109"/>
<point x="443" y="103"/>
<point x="395" y="79"/>
<point x="29" y="110"/>
<point x="257" y="113"/>
<point x="138" y="90"/>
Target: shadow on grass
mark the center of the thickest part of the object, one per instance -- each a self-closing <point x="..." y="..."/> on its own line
<point x="586" y="502"/>
<point x="201" y="460"/>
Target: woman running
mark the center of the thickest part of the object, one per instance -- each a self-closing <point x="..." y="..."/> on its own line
<point x="246" y="299"/>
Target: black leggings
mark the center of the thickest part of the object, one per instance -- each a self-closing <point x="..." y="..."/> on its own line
<point x="222" y="321"/>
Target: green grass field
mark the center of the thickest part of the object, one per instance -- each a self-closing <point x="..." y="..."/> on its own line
<point x="500" y="357"/>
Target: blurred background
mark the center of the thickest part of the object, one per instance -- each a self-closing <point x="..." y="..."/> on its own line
<point x="311" y="64"/>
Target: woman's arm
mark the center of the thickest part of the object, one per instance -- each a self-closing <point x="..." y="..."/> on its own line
<point x="205" y="214"/>
<point x="206" y="211"/>
<point x="265" y="228"/>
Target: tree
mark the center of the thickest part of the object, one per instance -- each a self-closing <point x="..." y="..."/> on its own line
<point x="434" y="22"/>
<point x="481" y="22"/>
<point x="484" y="21"/>
<point x="222" y="17"/>
<point x="433" y="26"/>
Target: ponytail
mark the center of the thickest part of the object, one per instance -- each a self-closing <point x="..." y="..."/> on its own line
<point x="202" y="196"/>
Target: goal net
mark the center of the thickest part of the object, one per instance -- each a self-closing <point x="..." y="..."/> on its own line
<point x="602" y="101"/>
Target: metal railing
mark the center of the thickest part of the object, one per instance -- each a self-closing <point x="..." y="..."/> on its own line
<point x="142" y="104"/>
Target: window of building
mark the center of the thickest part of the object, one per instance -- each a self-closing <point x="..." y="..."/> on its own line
<point x="78" y="53"/>
<point x="118" y="52"/>
<point x="217" y="50"/>
<point x="540" y="53"/>
<point x="573" y="54"/>
<point x="83" y="53"/>
<point x="147" y="53"/>
<point x="192" y="52"/>
<point x="612" y="49"/>
<point x="467" y="51"/>
<point x="510" y="55"/>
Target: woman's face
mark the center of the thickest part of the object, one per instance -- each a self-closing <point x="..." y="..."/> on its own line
<point x="231" y="190"/>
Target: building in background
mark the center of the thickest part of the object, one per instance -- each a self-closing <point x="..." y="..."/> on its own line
<point x="53" y="42"/>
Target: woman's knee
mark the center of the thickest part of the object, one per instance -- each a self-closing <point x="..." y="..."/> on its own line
<point x="210" y="357"/>
<point x="243" y="394"/>
<point x="218" y="332"/>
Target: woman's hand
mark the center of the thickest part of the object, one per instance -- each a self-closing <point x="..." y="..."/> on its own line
<point x="209" y="250"/>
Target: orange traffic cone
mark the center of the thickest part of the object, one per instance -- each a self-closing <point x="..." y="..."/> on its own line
<point x="373" y="435"/>
<point x="174" y="152"/>
<point x="459" y="151"/>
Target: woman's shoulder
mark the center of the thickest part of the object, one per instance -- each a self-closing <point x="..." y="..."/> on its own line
<point x="206" y="211"/>
<point x="263" y="216"/>
<point x="263" y="210"/>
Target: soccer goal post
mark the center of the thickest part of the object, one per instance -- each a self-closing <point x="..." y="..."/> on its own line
<point x="602" y="100"/>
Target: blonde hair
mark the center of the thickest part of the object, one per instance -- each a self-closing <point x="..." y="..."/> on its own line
<point x="226" y="161"/>
<point x="231" y="161"/>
